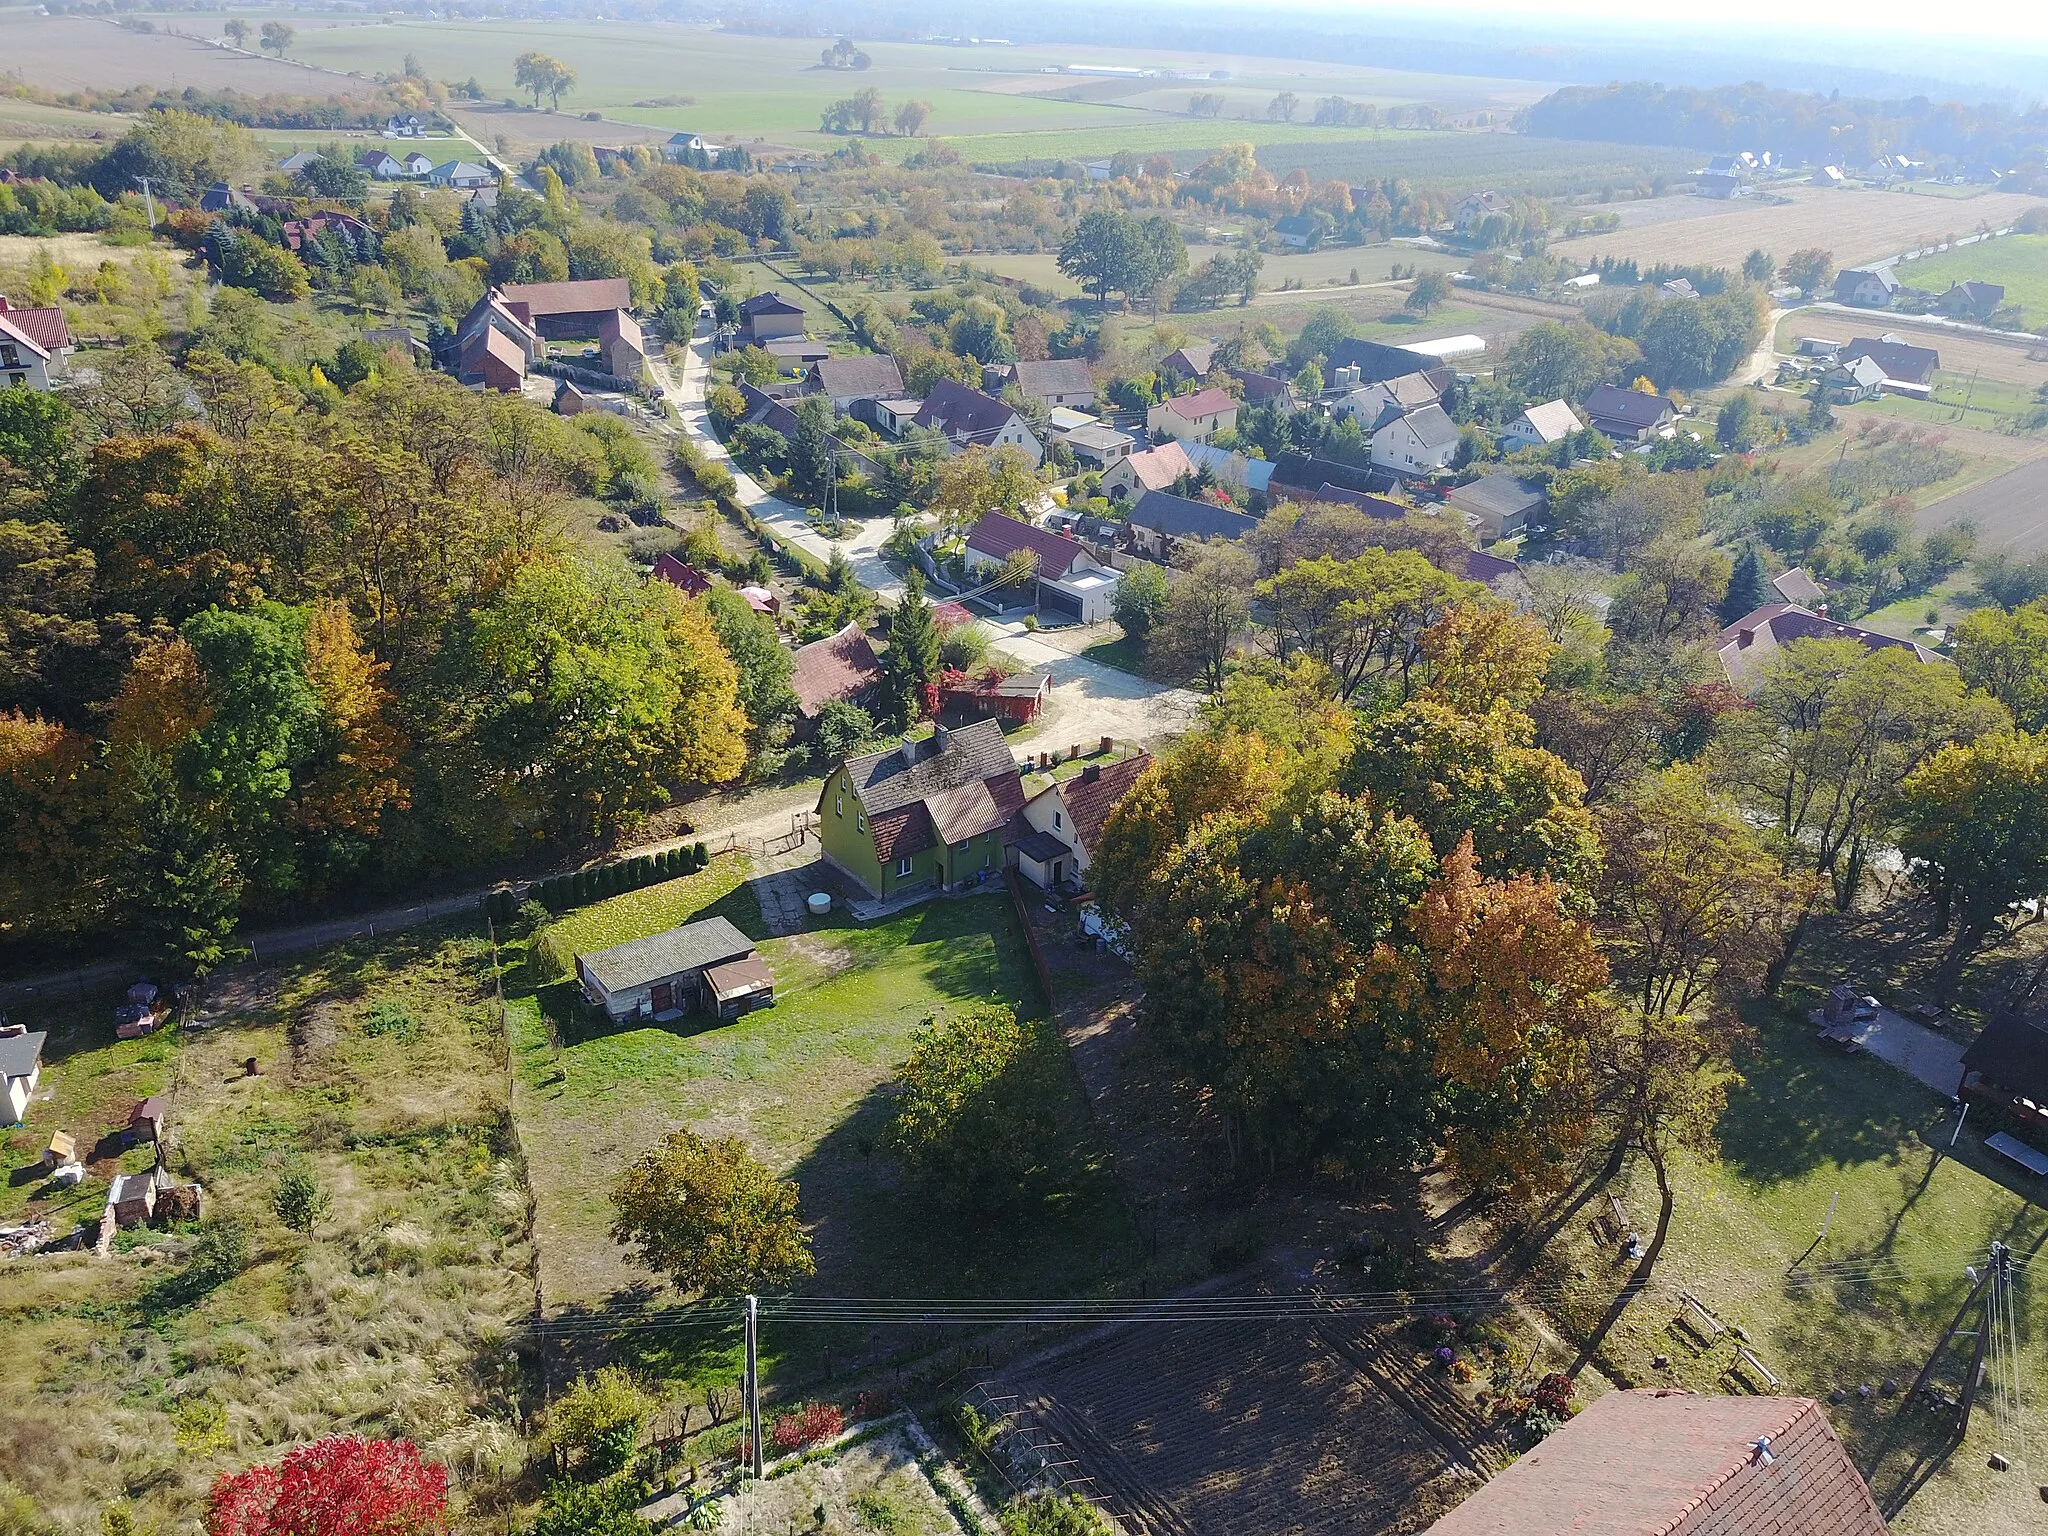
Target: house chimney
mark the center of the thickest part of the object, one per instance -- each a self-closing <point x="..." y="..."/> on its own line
<point x="1091" y="773"/>
<point x="909" y="750"/>
<point x="1743" y="637"/>
<point x="942" y="737"/>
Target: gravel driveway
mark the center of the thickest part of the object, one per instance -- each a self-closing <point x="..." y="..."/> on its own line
<point x="1089" y="699"/>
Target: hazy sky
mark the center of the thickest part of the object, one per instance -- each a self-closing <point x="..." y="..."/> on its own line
<point x="1748" y="24"/>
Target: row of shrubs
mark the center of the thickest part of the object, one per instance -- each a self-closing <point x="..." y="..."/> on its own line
<point x="560" y="892"/>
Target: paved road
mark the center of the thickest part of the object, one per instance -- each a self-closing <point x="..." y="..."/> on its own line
<point x="791" y="523"/>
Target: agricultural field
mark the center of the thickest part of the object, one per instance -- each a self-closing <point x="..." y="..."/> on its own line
<point x="1506" y="162"/>
<point x="991" y="104"/>
<point x="380" y="1075"/>
<point x="803" y="1082"/>
<point x="2009" y="511"/>
<point x="1858" y="225"/>
<point x="2018" y="262"/>
<point x="65" y="53"/>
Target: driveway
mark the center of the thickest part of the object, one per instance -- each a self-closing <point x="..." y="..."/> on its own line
<point x="1913" y="1048"/>
<point x="791" y="523"/>
<point x="1090" y="700"/>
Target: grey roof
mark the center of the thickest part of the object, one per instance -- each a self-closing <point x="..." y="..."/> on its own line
<point x="1096" y="436"/>
<point x="769" y="303"/>
<point x="1631" y="407"/>
<point x="884" y="781"/>
<point x="1178" y="517"/>
<point x="874" y="378"/>
<point x="688" y="948"/>
<point x="1501" y="495"/>
<point x="1431" y="425"/>
<point x="1042" y="847"/>
<point x="962" y="412"/>
<point x="1375" y="360"/>
<point x="1552" y="420"/>
<point x="1055" y="376"/>
<point x="1899" y="359"/>
<point x="20" y="1053"/>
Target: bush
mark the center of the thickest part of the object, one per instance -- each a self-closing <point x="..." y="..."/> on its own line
<point x="599" y="1417"/>
<point x="700" y="855"/>
<point x="388" y="1018"/>
<point x="299" y="1201"/>
<point x="843" y="730"/>
<point x="579" y="1509"/>
<point x="1053" y="1514"/>
<point x="807" y="1426"/>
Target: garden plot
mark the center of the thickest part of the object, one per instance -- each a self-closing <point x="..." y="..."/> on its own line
<point x="883" y="1480"/>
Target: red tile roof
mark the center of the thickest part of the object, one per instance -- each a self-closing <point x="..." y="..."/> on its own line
<point x="44" y="326"/>
<point x="839" y="667"/>
<point x="679" y="573"/>
<point x="1663" y="1463"/>
<point x="1090" y="800"/>
<point x="1203" y="402"/>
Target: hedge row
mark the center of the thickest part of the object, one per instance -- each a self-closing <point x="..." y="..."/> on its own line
<point x="560" y="892"/>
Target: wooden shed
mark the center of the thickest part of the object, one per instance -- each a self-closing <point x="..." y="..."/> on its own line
<point x="146" y="1121"/>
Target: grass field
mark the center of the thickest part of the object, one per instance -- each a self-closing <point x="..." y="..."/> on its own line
<point x="71" y="52"/>
<point x="1857" y="225"/>
<point x="2018" y="262"/>
<point x="139" y="1379"/>
<point x="803" y="1083"/>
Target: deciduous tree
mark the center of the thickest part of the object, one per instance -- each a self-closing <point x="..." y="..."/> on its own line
<point x="709" y="1218"/>
<point x="341" y="1486"/>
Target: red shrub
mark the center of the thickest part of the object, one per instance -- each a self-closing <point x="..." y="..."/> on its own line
<point x="1553" y="1394"/>
<point x="807" y="1426"/>
<point x="340" y="1486"/>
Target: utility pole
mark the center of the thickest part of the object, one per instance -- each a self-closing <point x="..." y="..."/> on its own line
<point x="148" y="201"/>
<point x="754" y="1384"/>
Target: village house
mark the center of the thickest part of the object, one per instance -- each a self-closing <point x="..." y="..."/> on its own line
<point x="1628" y="415"/>
<point x="839" y="669"/>
<point x="416" y="164"/>
<point x="1972" y="300"/>
<point x="1353" y="362"/>
<point x="622" y="346"/>
<point x="24" y="361"/>
<point x="1230" y="467"/>
<point x="1829" y="176"/>
<point x="1373" y="405"/>
<point x="1065" y="822"/>
<point x="1745" y="645"/>
<point x="681" y="575"/>
<point x="222" y="198"/>
<point x="1796" y="586"/>
<point x="768" y="315"/>
<point x="1070" y="581"/>
<point x="1296" y="231"/>
<point x="933" y="812"/>
<point x="845" y="380"/>
<point x="380" y="165"/>
<point x="1264" y="389"/>
<point x="1907" y="369"/>
<point x="1304" y="477"/>
<point x="405" y="127"/>
<point x="969" y="418"/>
<point x="708" y="965"/>
<point x="1192" y="361"/>
<point x="692" y="149"/>
<point x="1658" y="1459"/>
<point x="1193" y="418"/>
<point x="297" y="161"/>
<point x="1847" y="383"/>
<point x="1061" y="382"/>
<point x="1475" y="208"/>
<point x="1540" y="426"/>
<point x="1153" y="469"/>
<point x="21" y="1068"/>
<point x="2007" y="1066"/>
<point x="1161" y="522"/>
<point x="354" y="234"/>
<point x="462" y="175"/>
<point x="1866" y="287"/>
<point x="1498" y="506"/>
<point x="494" y="345"/>
<point x="1420" y="442"/>
<point x="1097" y="446"/>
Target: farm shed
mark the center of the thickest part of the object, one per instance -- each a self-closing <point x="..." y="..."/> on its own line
<point x="1018" y="697"/>
<point x="740" y="986"/>
<point x="662" y="977"/>
<point x="21" y="1068"/>
<point x="146" y="1122"/>
<point x="2007" y="1065"/>
<point x="131" y="1199"/>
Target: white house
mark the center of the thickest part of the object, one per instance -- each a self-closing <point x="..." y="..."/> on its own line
<point x="1071" y="581"/>
<point x="381" y="164"/>
<point x="1866" y="287"/>
<point x="24" y="361"/>
<point x="21" y="1068"/>
<point x="1419" y="443"/>
<point x="1066" y="821"/>
<point x="687" y="146"/>
<point x="1373" y="405"/>
<point x="668" y="975"/>
<point x="1155" y="469"/>
<point x="414" y="163"/>
<point x="1098" y="446"/>
<point x="1540" y="426"/>
<point x="460" y="174"/>
<point x="1193" y="418"/>
<point x="969" y="419"/>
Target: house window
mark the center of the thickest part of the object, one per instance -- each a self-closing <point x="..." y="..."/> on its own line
<point x="903" y="866"/>
<point x="860" y="823"/>
<point x="1056" y="821"/>
<point x="961" y="846"/>
<point x="838" y="807"/>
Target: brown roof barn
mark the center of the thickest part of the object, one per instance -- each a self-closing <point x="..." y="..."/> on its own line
<point x="560" y="311"/>
<point x="1678" y="1464"/>
<point x="838" y="668"/>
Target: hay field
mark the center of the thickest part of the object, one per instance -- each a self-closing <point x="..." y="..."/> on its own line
<point x="1857" y="224"/>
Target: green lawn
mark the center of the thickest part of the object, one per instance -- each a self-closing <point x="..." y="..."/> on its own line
<point x="1809" y="1125"/>
<point x="804" y="1083"/>
<point x="2018" y="262"/>
<point x="1958" y="400"/>
<point x="90" y="1083"/>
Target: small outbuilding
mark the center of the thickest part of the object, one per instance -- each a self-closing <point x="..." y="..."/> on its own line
<point x="63" y="1148"/>
<point x="146" y="1123"/>
<point x="2007" y="1065"/>
<point x="131" y="1199"/>
<point x="740" y="986"/>
<point x="666" y="976"/>
<point x="21" y="1068"/>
